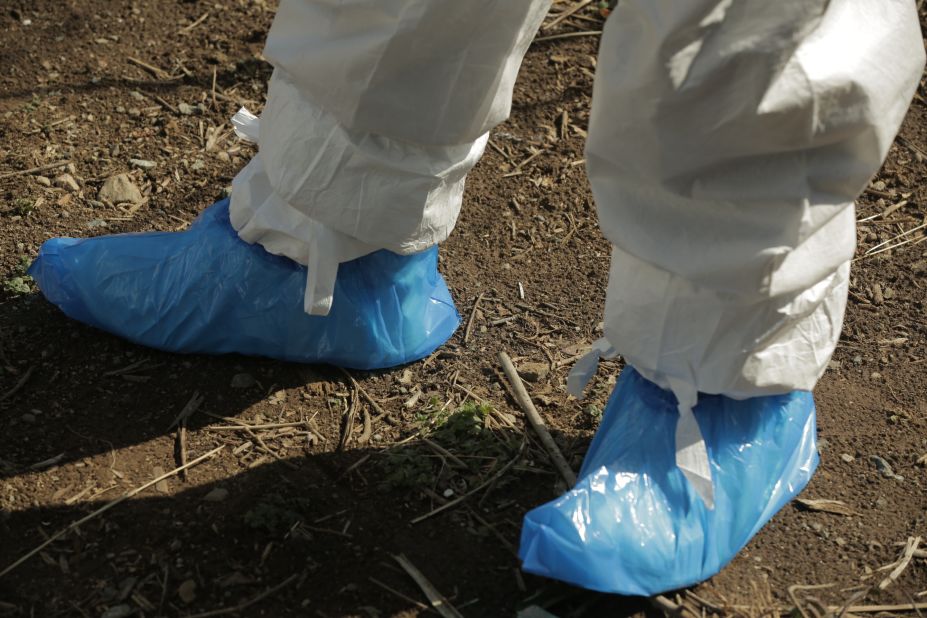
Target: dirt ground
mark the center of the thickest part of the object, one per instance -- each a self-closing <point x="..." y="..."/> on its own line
<point x="286" y="520"/>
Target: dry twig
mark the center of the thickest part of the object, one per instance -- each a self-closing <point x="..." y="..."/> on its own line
<point x="568" y="35"/>
<point x="902" y="562"/>
<point x="199" y="20"/>
<point x="437" y="600"/>
<point x="157" y="72"/>
<point x="475" y="490"/>
<point x="236" y="609"/>
<point x="76" y="524"/>
<point x="36" y="170"/>
<point x="566" y="13"/>
<point x="19" y="384"/>
<point x="473" y="311"/>
<point x="536" y="421"/>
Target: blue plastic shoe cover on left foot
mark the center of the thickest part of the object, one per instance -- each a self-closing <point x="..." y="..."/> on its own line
<point x="633" y="525"/>
<point x="205" y="290"/>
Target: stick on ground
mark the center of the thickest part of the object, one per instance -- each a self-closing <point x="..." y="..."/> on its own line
<point x="437" y="600"/>
<point x="473" y="311"/>
<point x="537" y="422"/>
<point x="234" y="610"/>
<point x="76" y="524"/>
<point x="476" y="489"/>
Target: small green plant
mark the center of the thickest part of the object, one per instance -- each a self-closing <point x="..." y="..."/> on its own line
<point x="406" y="468"/>
<point x="20" y="282"/>
<point x="275" y="513"/>
<point x="22" y="206"/>
<point x="463" y="432"/>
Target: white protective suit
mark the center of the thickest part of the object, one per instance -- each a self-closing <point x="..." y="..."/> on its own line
<point x="727" y="143"/>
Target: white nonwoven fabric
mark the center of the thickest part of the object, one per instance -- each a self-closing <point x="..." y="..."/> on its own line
<point x="727" y="143"/>
<point x="376" y="111"/>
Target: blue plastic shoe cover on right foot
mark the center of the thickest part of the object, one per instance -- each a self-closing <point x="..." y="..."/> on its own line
<point x="205" y="290"/>
<point x="633" y="524"/>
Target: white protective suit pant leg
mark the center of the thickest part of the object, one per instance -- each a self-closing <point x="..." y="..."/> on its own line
<point x="376" y="111"/>
<point x="727" y="143"/>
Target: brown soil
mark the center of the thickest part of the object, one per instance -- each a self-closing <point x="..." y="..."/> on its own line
<point x="324" y="522"/>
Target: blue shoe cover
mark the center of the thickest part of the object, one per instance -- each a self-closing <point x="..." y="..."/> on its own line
<point x="633" y="525"/>
<point x="204" y="290"/>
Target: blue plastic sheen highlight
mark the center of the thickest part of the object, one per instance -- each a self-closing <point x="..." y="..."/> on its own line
<point x="204" y="290"/>
<point x="633" y="525"/>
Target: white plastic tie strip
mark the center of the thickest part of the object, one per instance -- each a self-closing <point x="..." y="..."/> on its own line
<point x="691" y="451"/>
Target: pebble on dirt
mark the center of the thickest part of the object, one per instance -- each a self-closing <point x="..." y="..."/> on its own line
<point x="144" y="164"/>
<point x="187" y="591"/>
<point x="243" y="380"/>
<point x="66" y="181"/>
<point x="216" y="495"/>
<point x="884" y="468"/>
<point x="119" y="189"/>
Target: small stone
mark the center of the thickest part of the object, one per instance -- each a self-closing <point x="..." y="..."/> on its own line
<point x="93" y="223"/>
<point x="823" y="443"/>
<point x="406" y="377"/>
<point x="840" y="541"/>
<point x="186" y="109"/>
<point x="534" y="372"/>
<point x="857" y="360"/>
<point x="884" y="468"/>
<point x="161" y="485"/>
<point x="875" y="375"/>
<point x="243" y="380"/>
<point x="448" y="492"/>
<point x="118" y="611"/>
<point x="66" y="181"/>
<point x="43" y="180"/>
<point x="28" y="417"/>
<point x="187" y="591"/>
<point x="224" y="156"/>
<point x="216" y="495"/>
<point x="847" y="458"/>
<point x="877" y="297"/>
<point x="144" y="164"/>
<point x="198" y="165"/>
<point x="120" y="189"/>
<point x="879" y="185"/>
<point x="881" y="502"/>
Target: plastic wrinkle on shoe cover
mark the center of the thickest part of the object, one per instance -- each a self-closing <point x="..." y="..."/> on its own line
<point x="691" y="453"/>
<point x="634" y="525"/>
<point x="204" y="290"/>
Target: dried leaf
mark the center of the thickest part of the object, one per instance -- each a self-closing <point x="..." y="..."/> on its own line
<point x="826" y="506"/>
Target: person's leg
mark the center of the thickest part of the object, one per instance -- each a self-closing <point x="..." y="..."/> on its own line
<point x="376" y="111"/>
<point x="726" y="146"/>
<point x="375" y="114"/>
